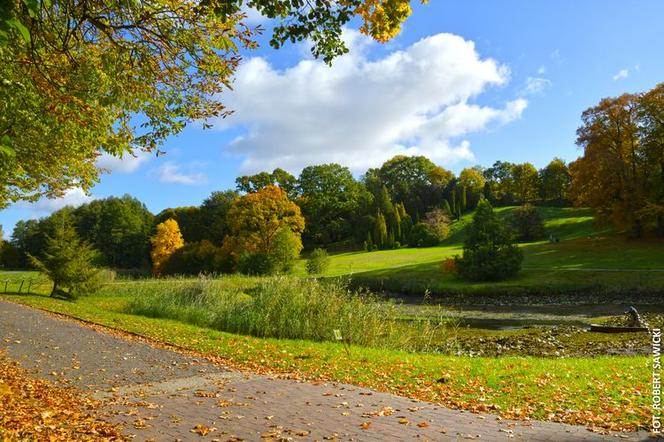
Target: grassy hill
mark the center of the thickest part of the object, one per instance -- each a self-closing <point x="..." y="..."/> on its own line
<point x="587" y="258"/>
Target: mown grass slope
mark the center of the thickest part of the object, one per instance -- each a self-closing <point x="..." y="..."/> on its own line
<point x="586" y="257"/>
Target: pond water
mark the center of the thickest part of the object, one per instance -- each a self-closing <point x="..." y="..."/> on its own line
<point x="511" y="317"/>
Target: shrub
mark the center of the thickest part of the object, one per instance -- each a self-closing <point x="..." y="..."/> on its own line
<point x="192" y="259"/>
<point x="318" y="262"/>
<point x="449" y="265"/>
<point x="439" y="222"/>
<point x="256" y="264"/>
<point x="286" y="250"/>
<point x="422" y="235"/>
<point x="528" y="223"/>
<point x="489" y="252"/>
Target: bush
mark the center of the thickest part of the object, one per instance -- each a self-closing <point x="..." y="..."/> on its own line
<point x="256" y="264"/>
<point x="489" y="252"/>
<point x="528" y="223"/>
<point x="422" y="235"/>
<point x="318" y="262"/>
<point x="439" y="222"/>
<point x="449" y="265"/>
<point x="192" y="259"/>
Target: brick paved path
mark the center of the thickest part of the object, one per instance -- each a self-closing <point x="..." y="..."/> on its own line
<point x="164" y="395"/>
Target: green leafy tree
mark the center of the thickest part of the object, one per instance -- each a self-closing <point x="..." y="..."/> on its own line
<point x="489" y="251"/>
<point x="414" y="181"/>
<point x="214" y="211"/>
<point x="331" y="201"/>
<point x="500" y="182"/>
<point x="278" y="177"/>
<point x="525" y="184"/>
<point x="556" y="180"/>
<point x="119" y="228"/>
<point x="69" y="263"/>
<point x="189" y="219"/>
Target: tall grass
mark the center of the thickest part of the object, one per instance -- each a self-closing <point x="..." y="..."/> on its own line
<point x="283" y="307"/>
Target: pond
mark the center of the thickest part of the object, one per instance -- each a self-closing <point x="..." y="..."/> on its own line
<point x="512" y="317"/>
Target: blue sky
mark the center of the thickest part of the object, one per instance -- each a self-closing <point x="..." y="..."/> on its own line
<point x="466" y="82"/>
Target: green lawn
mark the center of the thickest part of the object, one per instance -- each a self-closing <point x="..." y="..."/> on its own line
<point x="586" y="258"/>
<point x="604" y="392"/>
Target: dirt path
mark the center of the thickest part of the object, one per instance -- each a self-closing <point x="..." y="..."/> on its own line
<point x="163" y="395"/>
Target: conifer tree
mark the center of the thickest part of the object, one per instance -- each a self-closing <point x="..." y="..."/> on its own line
<point x="68" y="262"/>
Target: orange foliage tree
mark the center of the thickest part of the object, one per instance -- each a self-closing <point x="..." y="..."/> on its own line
<point x="165" y="242"/>
<point x="265" y="222"/>
<point x="621" y="172"/>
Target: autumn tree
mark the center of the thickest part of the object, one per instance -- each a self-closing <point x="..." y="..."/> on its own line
<point x="86" y="77"/>
<point x="268" y="224"/>
<point x="165" y="242"/>
<point x="621" y="172"/>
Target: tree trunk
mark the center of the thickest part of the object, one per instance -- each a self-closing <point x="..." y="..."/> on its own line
<point x="55" y="286"/>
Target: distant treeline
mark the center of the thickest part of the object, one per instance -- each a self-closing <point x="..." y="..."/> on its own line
<point x="409" y="200"/>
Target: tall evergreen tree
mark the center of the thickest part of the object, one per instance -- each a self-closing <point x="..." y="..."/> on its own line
<point x="489" y="251"/>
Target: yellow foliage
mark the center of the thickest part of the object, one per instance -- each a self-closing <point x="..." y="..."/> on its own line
<point x="257" y="218"/>
<point x="165" y="242"/>
<point x="383" y="18"/>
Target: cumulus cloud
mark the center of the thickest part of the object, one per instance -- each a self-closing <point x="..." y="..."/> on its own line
<point x="173" y="173"/>
<point x="127" y="164"/>
<point x="362" y="111"/>
<point x="623" y="73"/>
<point x="536" y="85"/>
<point x="73" y="197"/>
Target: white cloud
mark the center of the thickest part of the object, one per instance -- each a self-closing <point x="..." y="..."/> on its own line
<point x="73" y="197"/>
<point x="171" y="172"/>
<point x="253" y="16"/>
<point x="623" y="73"/>
<point x="360" y="112"/>
<point x="541" y="70"/>
<point x="536" y="85"/>
<point x="127" y="164"/>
